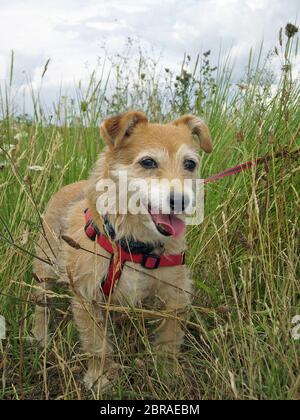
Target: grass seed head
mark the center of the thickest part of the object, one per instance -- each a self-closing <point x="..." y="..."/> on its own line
<point x="291" y="30"/>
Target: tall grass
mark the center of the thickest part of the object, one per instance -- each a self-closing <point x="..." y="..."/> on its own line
<point x="244" y="258"/>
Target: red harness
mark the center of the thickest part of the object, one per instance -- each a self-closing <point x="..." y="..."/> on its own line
<point x="119" y="256"/>
<point x="152" y="261"/>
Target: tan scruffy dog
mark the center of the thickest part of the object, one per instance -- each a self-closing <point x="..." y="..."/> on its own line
<point x="135" y="245"/>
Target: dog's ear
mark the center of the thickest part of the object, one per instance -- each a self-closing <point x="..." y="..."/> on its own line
<point x="115" y="129"/>
<point x="198" y="129"/>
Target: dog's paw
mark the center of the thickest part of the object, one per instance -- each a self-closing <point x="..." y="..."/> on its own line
<point x="114" y="371"/>
<point x="39" y="337"/>
<point x="93" y="382"/>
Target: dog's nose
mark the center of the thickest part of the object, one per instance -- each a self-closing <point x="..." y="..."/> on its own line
<point x="178" y="202"/>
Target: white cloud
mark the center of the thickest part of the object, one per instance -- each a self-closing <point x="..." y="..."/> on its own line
<point x="71" y="32"/>
<point x="108" y="25"/>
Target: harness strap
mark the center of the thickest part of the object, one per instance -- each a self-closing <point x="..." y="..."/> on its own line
<point x="119" y="256"/>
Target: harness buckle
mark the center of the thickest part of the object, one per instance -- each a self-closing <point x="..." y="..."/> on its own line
<point x="90" y="231"/>
<point x="150" y="258"/>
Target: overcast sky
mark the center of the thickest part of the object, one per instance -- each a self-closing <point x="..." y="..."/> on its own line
<point x="71" y="32"/>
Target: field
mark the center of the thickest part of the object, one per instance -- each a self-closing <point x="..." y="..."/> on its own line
<point x="244" y="257"/>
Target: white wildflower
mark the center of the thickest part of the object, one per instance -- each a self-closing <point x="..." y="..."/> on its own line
<point x="36" y="168"/>
<point x="19" y="136"/>
<point x="8" y="148"/>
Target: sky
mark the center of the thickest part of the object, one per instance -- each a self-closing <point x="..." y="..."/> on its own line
<point x="72" y="32"/>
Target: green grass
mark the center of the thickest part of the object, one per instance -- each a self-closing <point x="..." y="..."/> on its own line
<point x="244" y="258"/>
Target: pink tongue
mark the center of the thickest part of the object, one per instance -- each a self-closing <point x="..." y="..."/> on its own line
<point x="172" y="224"/>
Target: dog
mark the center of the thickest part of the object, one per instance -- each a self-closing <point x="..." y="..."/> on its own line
<point x="132" y="245"/>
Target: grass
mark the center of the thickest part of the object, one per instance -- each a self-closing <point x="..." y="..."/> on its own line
<point x="244" y="258"/>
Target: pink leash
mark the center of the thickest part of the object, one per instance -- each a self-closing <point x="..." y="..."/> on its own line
<point x="247" y="165"/>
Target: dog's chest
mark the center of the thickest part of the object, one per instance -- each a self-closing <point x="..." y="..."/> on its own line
<point x="133" y="286"/>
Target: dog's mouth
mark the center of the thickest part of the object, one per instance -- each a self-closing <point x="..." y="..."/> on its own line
<point x="168" y="224"/>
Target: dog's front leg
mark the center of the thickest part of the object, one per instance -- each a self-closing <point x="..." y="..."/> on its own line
<point x="94" y="339"/>
<point x="169" y="335"/>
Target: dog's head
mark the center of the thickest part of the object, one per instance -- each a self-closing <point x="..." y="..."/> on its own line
<point x="156" y="159"/>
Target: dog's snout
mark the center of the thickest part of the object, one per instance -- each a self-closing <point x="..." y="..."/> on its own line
<point x="178" y="202"/>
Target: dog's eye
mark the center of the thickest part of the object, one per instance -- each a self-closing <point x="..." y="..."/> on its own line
<point x="189" y="165"/>
<point x="148" y="163"/>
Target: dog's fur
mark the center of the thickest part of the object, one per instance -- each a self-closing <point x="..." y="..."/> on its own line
<point x="128" y="137"/>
